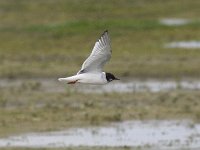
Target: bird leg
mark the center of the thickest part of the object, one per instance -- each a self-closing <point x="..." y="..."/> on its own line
<point x="72" y="82"/>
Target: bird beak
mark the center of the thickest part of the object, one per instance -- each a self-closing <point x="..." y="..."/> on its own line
<point x="117" y="79"/>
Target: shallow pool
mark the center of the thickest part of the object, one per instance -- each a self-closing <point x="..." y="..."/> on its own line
<point x="161" y="133"/>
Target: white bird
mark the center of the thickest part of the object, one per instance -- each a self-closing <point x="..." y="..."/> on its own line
<point x="91" y="71"/>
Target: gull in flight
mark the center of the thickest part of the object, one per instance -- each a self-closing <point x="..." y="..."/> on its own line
<point x="92" y="69"/>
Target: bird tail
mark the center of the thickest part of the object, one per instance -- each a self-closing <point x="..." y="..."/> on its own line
<point x="62" y="79"/>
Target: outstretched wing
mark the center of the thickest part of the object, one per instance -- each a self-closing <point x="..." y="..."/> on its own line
<point x="101" y="53"/>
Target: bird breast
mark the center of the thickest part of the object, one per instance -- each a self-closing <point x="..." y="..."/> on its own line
<point x="91" y="78"/>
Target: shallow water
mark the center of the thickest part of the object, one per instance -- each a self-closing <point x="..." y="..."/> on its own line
<point x="162" y="134"/>
<point x="174" y="21"/>
<point x="140" y="86"/>
<point x="184" y="44"/>
<point x="122" y="86"/>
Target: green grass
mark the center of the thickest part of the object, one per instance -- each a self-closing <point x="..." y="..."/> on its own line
<point x="53" y="38"/>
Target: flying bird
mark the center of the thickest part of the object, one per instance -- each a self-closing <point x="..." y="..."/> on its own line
<point x="92" y="69"/>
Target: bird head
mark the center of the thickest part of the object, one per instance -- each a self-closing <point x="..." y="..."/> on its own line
<point x="110" y="77"/>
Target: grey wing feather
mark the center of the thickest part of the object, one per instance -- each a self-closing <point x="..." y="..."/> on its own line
<point x="101" y="53"/>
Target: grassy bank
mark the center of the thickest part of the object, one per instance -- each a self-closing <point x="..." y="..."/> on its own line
<point x="52" y="38"/>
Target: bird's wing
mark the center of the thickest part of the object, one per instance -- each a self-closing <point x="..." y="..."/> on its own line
<point x="101" y="53"/>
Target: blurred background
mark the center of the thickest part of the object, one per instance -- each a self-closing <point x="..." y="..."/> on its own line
<point x="52" y="38"/>
<point x="42" y="40"/>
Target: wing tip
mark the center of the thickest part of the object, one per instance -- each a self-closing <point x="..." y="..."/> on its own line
<point x="102" y="35"/>
<point x="106" y="31"/>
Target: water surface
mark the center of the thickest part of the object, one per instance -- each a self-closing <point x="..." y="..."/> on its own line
<point x="184" y="44"/>
<point x="161" y="134"/>
<point x="122" y="86"/>
<point x="174" y="21"/>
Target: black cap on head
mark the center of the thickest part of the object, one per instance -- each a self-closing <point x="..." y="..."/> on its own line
<point x="110" y="77"/>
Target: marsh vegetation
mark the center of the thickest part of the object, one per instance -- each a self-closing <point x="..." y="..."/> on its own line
<point x="50" y="39"/>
